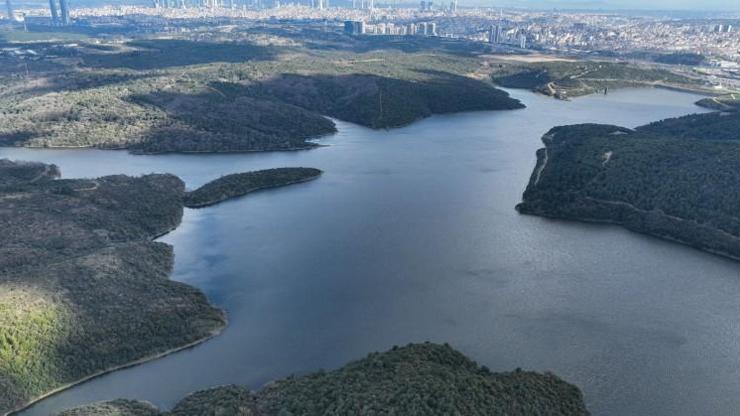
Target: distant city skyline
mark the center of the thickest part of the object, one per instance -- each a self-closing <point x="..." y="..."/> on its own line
<point x="692" y="5"/>
<point x="652" y="5"/>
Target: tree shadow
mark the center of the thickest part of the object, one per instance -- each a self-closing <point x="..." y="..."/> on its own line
<point x="280" y="113"/>
<point x="227" y="118"/>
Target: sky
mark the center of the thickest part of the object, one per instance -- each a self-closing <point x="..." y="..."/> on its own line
<point x="694" y="5"/>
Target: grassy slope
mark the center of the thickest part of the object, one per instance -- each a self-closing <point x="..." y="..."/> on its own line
<point x="418" y="379"/>
<point x="673" y="179"/>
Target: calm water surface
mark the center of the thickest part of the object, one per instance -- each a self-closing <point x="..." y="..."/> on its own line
<point x="411" y="235"/>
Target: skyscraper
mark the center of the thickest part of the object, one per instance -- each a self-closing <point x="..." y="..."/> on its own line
<point x="495" y="34"/>
<point x="10" y="10"/>
<point x="65" y="11"/>
<point x="54" y="12"/>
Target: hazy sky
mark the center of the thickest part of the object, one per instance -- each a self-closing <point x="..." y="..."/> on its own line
<point x="697" y="5"/>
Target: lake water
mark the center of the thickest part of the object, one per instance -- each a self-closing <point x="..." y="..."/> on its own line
<point x="411" y="235"/>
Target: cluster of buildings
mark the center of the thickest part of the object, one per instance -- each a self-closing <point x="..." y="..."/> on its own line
<point x="359" y="27"/>
<point x="571" y="32"/>
<point x="577" y="32"/>
<point x="500" y="35"/>
<point x="428" y="6"/>
<point x="59" y="13"/>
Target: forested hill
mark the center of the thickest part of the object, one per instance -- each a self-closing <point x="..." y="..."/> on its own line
<point x="223" y="95"/>
<point x="83" y="288"/>
<point x="415" y="380"/>
<point x="675" y="179"/>
<point x="239" y="184"/>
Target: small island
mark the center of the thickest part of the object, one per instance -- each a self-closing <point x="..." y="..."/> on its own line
<point x="239" y="184"/>
<point x="416" y="380"/>
<point x="674" y="179"/>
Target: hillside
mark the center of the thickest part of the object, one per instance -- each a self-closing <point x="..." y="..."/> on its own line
<point x="672" y="179"/>
<point x="234" y="94"/>
<point x="727" y="102"/>
<point x="418" y="379"/>
<point x="83" y="288"/>
<point x="566" y="79"/>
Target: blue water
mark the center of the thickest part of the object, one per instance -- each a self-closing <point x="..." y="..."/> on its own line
<point x="411" y="235"/>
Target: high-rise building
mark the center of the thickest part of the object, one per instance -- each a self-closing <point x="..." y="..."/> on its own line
<point x="496" y="34"/>
<point x="54" y="12"/>
<point x="432" y="27"/>
<point x="354" y="27"/>
<point x="423" y="5"/>
<point x="65" y="11"/>
<point x="453" y="6"/>
<point x="9" y="6"/>
<point x="523" y="41"/>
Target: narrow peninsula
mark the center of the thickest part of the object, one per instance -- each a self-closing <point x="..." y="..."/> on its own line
<point x="239" y="184"/>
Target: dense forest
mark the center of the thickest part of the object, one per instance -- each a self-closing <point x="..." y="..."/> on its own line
<point x="565" y="79"/>
<point x="415" y="380"/>
<point x="224" y="95"/>
<point x="238" y="184"/>
<point x="83" y="288"/>
<point x="673" y="179"/>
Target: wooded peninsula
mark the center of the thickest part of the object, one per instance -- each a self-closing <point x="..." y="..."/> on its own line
<point x="673" y="179"/>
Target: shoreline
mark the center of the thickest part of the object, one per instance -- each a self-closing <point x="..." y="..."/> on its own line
<point x="668" y="238"/>
<point x="180" y="152"/>
<point x="212" y="334"/>
<point x="101" y="373"/>
<point x="698" y="90"/>
<point x="216" y="202"/>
